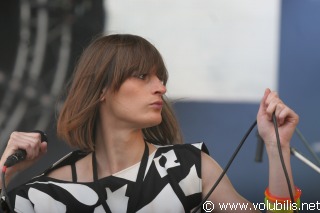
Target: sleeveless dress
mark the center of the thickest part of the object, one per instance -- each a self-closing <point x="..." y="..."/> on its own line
<point x="170" y="182"/>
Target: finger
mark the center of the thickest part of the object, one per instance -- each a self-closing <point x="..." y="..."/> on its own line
<point x="272" y="96"/>
<point x="263" y="105"/>
<point x="37" y="147"/>
<point x="30" y="142"/>
<point x="287" y="115"/>
<point x="272" y="107"/>
<point x="281" y="113"/>
<point x="20" y="137"/>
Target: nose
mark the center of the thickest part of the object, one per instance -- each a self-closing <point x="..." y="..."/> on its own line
<point x="159" y="87"/>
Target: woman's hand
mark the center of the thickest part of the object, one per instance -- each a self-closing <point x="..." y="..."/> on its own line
<point x="28" y="141"/>
<point x="286" y="118"/>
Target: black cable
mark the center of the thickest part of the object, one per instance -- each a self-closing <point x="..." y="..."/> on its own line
<point x="5" y="197"/>
<point x="274" y="119"/>
<point x="226" y="168"/>
<point x="236" y="152"/>
<point x="18" y="156"/>
<point x="5" y="203"/>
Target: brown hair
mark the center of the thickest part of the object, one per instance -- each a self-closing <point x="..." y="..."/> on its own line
<point x="106" y="63"/>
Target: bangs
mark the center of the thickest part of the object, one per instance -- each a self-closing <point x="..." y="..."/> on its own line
<point x="148" y="61"/>
<point x="136" y="56"/>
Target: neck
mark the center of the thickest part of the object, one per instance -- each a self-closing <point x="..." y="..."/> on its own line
<point x="118" y="150"/>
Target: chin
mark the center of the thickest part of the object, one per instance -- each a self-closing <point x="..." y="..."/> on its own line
<point x="154" y="122"/>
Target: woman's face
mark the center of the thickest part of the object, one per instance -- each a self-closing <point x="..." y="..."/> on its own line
<point x="137" y="104"/>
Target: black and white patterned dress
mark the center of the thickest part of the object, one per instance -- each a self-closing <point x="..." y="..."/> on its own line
<point x="171" y="183"/>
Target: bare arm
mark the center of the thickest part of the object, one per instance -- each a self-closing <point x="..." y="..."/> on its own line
<point x="224" y="192"/>
<point x="287" y="121"/>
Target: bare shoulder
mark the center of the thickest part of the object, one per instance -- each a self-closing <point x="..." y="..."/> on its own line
<point x="208" y="162"/>
<point x="64" y="173"/>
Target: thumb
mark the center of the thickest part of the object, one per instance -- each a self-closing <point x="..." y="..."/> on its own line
<point x="43" y="148"/>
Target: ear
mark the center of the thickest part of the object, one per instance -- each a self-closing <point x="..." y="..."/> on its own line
<point x="102" y="95"/>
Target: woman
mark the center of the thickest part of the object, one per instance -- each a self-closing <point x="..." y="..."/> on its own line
<point x="117" y="116"/>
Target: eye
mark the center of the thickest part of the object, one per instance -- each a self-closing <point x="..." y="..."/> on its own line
<point x="142" y="76"/>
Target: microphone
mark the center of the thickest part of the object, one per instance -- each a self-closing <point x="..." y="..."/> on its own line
<point x="21" y="154"/>
<point x="259" y="150"/>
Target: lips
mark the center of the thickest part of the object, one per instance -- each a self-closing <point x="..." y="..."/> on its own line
<point x="157" y="104"/>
